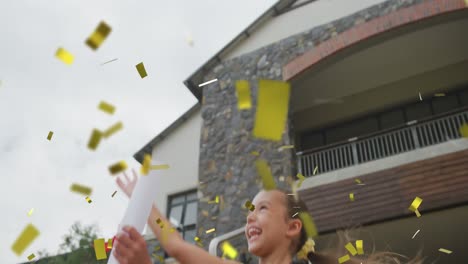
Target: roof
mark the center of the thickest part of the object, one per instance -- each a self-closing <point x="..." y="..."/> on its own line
<point x="197" y="77"/>
<point x="148" y="148"/>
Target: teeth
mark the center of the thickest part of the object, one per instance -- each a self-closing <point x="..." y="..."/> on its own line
<point x="253" y="231"/>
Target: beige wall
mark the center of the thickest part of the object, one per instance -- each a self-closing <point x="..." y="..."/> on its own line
<point x="181" y="151"/>
<point x="299" y="20"/>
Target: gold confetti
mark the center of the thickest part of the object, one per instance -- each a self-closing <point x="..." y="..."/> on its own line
<point x="360" y="247"/>
<point x="64" y="56"/>
<point x="109" y="243"/>
<point x="243" y="95"/>
<point x="210" y="230"/>
<point x="265" y="173"/>
<point x="98" y="36"/>
<point x="415" y="234"/>
<point x="439" y="94"/>
<point x="358" y="181"/>
<point x="80" y="189"/>
<point x="100" y="249"/>
<point x="272" y="109"/>
<point x="446" y="251"/>
<point x="95" y="139"/>
<point x="145" y="166"/>
<point x="351" y="197"/>
<point x="309" y="224"/>
<point x="295" y="214"/>
<point x="415" y="205"/>
<point x="285" y="147"/>
<point x="420" y="98"/>
<point x="160" y="167"/>
<point x="118" y="167"/>
<point x="351" y="249"/>
<point x="89" y="200"/>
<point x="229" y="250"/>
<point x="255" y="153"/>
<point x="157" y="248"/>
<point x="114" y="194"/>
<point x="160" y="222"/>
<point x="301" y="179"/>
<point x="30" y="212"/>
<point x="112" y="130"/>
<point x="49" y="136"/>
<point x="464" y="130"/>
<point x="29" y="234"/>
<point x="197" y="239"/>
<point x="249" y="206"/>
<point x="106" y="107"/>
<point x="31" y="257"/>
<point x="110" y="61"/>
<point x="141" y="70"/>
<point x="216" y="200"/>
<point x="344" y="258"/>
<point x="315" y="170"/>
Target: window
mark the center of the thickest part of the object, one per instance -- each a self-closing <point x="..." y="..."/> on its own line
<point x="182" y="212"/>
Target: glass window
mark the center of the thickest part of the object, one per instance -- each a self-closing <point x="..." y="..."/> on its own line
<point x="176" y="213"/>
<point x="177" y="200"/>
<point x="418" y="111"/>
<point x="392" y="119"/>
<point x="189" y="235"/>
<point x="191" y="214"/>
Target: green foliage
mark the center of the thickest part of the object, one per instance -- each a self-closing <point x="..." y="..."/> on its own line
<point x="76" y="247"/>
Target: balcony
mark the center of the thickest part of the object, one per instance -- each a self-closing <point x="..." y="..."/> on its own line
<point x="414" y="135"/>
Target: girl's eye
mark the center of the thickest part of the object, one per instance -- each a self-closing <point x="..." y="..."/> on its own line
<point x="262" y="207"/>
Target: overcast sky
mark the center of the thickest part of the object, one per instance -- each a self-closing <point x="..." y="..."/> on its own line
<point x="39" y="93"/>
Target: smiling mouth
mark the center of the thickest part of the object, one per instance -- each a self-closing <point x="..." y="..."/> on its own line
<point x="253" y="233"/>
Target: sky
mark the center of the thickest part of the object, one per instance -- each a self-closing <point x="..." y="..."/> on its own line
<point x="39" y="93"/>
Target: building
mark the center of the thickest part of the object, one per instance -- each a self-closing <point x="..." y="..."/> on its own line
<point x="379" y="92"/>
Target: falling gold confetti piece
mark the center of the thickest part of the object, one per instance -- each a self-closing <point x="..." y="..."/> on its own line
<point x="309" y="224"/>
<point x="285" y="147"/>
<point x="141" y="70"/>
<point x="30" y="212"/>
<point x="49" y="136"/>
<point x="358" y="181"/>
<point x="157" y="248"/>
<point x="272" y="109"/>
<point x="208" y="82"/>
<point x="415" y="234"/>
<point x="244" y="100"/>
<point x="265" y="173"/>
<point x="29" y="234"/>
<point x="210" y="230"/>
<point x="439" y="94"/>
<point x="98" y="36"/>
<point x="415" y="204"/>
<point x="301" y="179"/>
<point x="420" y="98"/>
<point x="112" y="130"/>
<point x="443" y="250"/>
<point x="100" y="249"/>
<point x="160" y="222"/>
<point x="31" y="257"/>
<point x="109" y="243"/>
<point x="80" y="189"/>
<point x="295" y="214"/>
<point x="464" y="130"/>
<point x="344" y="258"/>
<point x="315" y="170"/>
<point x="118" y="167"/>
<point x="229" y="250"/>
<point x="418" y="214"/>
<point x="64" y="56"/>
<point x="351" y="198"/>
<point x="96" y="136"/>
<point x="106" y="107"/>
<point x="249" y="206"/>
<point x="255" y="153"/>
<point x="351" y="249"/>
<point x="145" y="167"/>
<point x="196" y="239"/>
<point x="160" y="167"/>
<point x="360" y="247"/>
<point x="89" y="200"/>
<point x="114" y="194"/>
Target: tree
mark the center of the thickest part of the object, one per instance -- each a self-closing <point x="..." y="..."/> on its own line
<point x="75" y="248"/>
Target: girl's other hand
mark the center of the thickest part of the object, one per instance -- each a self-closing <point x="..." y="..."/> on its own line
<point x="131" y="247"/>
<point x="129" y="184"/>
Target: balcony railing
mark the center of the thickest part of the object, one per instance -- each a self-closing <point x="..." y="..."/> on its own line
<point x="355" y="151"/>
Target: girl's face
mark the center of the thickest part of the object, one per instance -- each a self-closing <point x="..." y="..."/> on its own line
<point x="266" y="228"/>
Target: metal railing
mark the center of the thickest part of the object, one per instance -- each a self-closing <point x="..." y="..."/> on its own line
<point x="356" y="151"/>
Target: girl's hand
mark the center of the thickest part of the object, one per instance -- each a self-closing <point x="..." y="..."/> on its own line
<point x="128" y="187"/>
<point x="131" y="247"/>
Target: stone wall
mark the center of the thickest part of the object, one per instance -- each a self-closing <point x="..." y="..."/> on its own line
<point x="226" y="165"/>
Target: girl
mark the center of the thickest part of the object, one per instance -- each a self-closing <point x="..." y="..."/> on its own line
<point x="273" y="230"/>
